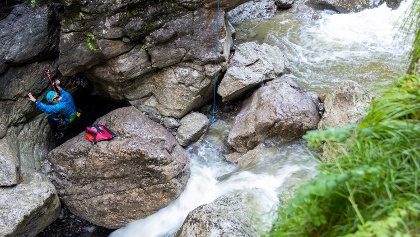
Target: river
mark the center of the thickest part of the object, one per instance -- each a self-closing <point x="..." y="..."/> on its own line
<point x="364" y="47"/>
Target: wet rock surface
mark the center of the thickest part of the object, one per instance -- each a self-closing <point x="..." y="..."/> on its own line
<point x="69" y="225"/>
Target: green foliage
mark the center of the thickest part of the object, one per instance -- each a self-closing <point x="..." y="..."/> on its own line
<point x="33" y="3"/>
<point x="412" y="22"/>
<point x="371" y="187"/>
<point x="330" y="135"/>
<point x="89" y="43"/>
<point x="81" y="16"/>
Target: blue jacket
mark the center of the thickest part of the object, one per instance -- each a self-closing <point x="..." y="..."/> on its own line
<point x="65" y="106"/>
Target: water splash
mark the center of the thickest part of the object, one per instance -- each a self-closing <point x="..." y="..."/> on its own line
<point x="368" y="47"/>
<point x="212" y="177"/>
<point x="364" y="47"/>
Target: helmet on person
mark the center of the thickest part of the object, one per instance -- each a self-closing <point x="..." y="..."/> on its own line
<point x="51" y="95"/>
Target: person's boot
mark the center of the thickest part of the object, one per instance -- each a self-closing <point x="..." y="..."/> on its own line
<point x="58" y="135"/>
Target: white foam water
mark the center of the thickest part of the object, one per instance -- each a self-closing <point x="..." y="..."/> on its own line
<point x="212" y="177"/>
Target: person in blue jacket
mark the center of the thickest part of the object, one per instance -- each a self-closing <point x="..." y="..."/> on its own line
<point x="62" y="110"/>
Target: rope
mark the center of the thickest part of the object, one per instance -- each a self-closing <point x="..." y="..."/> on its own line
<point x="48" y="72"/>
<point x="215" y="61"/>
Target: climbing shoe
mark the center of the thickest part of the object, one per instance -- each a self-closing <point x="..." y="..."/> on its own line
<point x="58" y="135"/>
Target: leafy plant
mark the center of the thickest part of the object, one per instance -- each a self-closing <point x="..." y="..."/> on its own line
<point x="371" y="187"/>
<point x="89" y="41"/>
<point x="81" y="16"/>
<point x="33" y="3"/>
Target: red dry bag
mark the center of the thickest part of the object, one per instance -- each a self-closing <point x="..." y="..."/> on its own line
<point x="98" y="132"/>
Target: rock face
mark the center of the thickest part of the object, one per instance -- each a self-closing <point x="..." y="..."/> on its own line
<point x="347" y="103"/>
<point x="280" y="110"/>
<point x="130" y="177"/>
<point x="31" y="38"/>
<point x="9" y="163"/>
<point x="128" y="48"/>
<point x="226" y="216"/>
<point x="251" y="65"/>
<point x="29" y="207"/>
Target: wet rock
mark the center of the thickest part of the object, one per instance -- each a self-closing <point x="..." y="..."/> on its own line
<point x="193" y="126"/>
<point x="69" y="225"/>
<point x="127" y="178"/>
<point x="281" y="110"/>
<point x="28" y="207"/>
<point x="250" y="158"/>
<point x="347" y="103"/>
<point x="170" y="122"/>
<point x="226" y="216"/>
<point x="252" y="10"/>
<point x="252" y="64"/>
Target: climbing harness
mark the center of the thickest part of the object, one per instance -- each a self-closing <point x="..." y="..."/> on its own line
<point x="215" y="61"/>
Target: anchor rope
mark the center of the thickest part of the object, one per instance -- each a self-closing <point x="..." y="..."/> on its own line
<point x="215" y="61"/>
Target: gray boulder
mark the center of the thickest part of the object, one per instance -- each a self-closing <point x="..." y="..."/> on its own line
<point x="252" y="64"/>
<point x="280" y="111"/>
<point x="346" y="103"/>
<point x="127" y="178"/>
<point x="29" y="207"/>
<point x="193" y="126"/>
<point x="254" y="9"/>
<point x="229" y="215"/>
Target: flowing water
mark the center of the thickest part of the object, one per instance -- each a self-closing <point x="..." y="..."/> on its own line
<point x="358" y="46"/>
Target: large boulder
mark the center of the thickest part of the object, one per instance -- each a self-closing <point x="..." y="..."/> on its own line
<point x="252" y="10"/>
<point x="251" y="65"/>
<point x="130" y="177"/>
<point x="229" y="215"/>
<point x="280" y="110"/>
<point x="346" y="103"/>
<point x="28" y="207"/>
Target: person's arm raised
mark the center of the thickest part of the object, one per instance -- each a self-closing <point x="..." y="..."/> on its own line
<point x="31" y="97"/>
<point x="57" y="85"/>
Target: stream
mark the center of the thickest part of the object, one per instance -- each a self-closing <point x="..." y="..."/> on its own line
<point x="363" y="47"/>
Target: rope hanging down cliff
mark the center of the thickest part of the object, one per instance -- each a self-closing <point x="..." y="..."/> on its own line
<point x="215" y="61"/>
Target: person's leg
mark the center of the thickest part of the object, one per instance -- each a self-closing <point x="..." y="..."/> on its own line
<point x="53" y="120"/>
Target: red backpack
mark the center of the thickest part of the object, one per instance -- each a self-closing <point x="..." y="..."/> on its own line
<point x="97" y="133"/>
